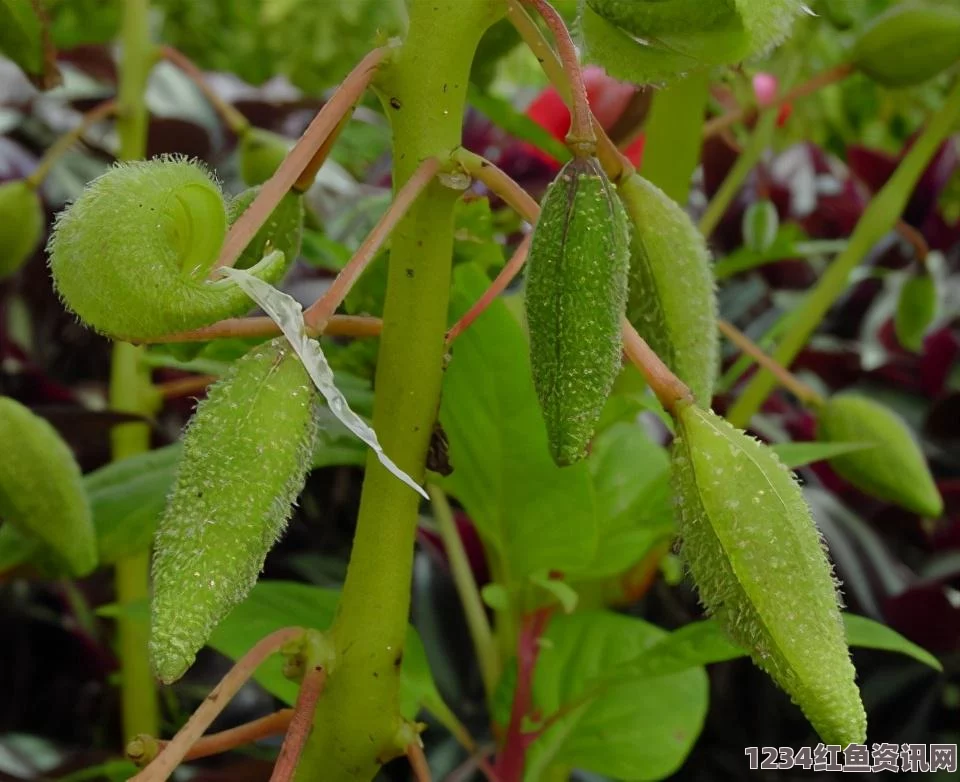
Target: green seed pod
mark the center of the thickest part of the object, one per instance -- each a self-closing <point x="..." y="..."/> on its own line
<point x="261" y="153"/>
<point x="909" y="44"/>
<point x="282" y="231"/>
<point x="245" y="455"/>
<point x="575" y="297"/>
<point x="762" y="570"/>
<point x="131" y="255"/>
<point x="760" y="225"/>
<point x="895" y="470"/>
<point x="672" y="302"/>
<point x="21" y="225"/>
<point x="41" y="490"/>
<point x="916" y="310"/>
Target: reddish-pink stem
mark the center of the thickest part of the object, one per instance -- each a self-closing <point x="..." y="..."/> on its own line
<point x="581" y="138"/>
<point x="667" y="386"/>
<point x="241" y="328"/>
<point x="418" y="762"/>
<point x="323" y="308"/>
<point x="175" y="751"/>
<point x="299" y="730"/>
<point x="498" y="286"/>
<point x="510" y="764"/>
<point x="293" y="165"/>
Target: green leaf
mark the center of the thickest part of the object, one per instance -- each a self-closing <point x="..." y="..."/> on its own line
<point x="273" y="605"/>
<point x="561" y="591"/>
<point x="127" y="497"/>
<point x="704" y="642"/>
<point x="534" y="515"/>
<point x="22" y="37"/>
<point x="633" y="730"/>
<point x="631" y="481"/>
<point x="796" y="455"/>
<point x="868" y="634"/>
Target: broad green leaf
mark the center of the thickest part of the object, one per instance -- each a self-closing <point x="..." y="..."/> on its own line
<point x="16" y="548"/>
<point x="534" y="515"/>
<point x="273" y="605"/>
<point x="796" y="455"/>
<point x="126" y="498"/>
<point x="22" y="37"/>
<point x="704" y="642"/>
<point x="631" y="480"/>
<point x="639" y="730"/>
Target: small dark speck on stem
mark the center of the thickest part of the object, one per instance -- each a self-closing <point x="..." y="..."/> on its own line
<point x="410" y="273"/>
<point x="395" y="103"/>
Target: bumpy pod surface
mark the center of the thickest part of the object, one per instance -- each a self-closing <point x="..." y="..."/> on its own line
<point x="245" y="455"/>
<point x="672" y="301"/>
<point x="282" y="231"/>
<point x="131" y="255"/>
<point x="21" y="225"/>
<point x="894" y="470"/>
<point x="41" y="491"/>
<point x="761" y="568"/>
<point x="909" y="44"/>
<point x="575" y="297"/>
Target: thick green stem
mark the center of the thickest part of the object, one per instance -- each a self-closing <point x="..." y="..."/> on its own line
<point x="877" y="220"/>
<point x="128" y="386"/>
<point x="423" y="88"/>
<point x="674" y="135"/>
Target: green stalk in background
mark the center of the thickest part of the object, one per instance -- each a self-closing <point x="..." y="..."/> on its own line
<point x="674" y="131"/>
<point x="129" y="392"/>
<point x="877" y="220"/>
<point x="759" y="141"/>
<point x="423" y="89"/>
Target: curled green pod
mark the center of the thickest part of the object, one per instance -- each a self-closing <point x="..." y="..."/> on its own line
<point x="895" y="470"/>
<point x="282" y="231"/>
<point x="261" y="153"/>
<point x="909" y="44"/>
<point x="575" y="297"/>
<point x="21" y="225"/>
<point x="41" y="491"/>
<point x="132" y="254"/>
<point x="672" y="301"/>
<point x="761" y="568"/>
<point x="245" y="455"/>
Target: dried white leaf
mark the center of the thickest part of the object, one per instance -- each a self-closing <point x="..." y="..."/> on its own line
<point x="287" y="313"/>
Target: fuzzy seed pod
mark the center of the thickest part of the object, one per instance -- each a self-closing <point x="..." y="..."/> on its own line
<point x="21" y="225"/>
<point x="282" y="231"/>
<point x="575" y="297"/>
<point x="909" y="44"/>
<point x="261" y="153"/>
<point x="41" y="491"/>
<point x="672" y="302"/>
<point x="245" y="455"/>
<point x="131" y="255"/>
<point x="761" y="568"/>
<point x="894" y="470"/>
